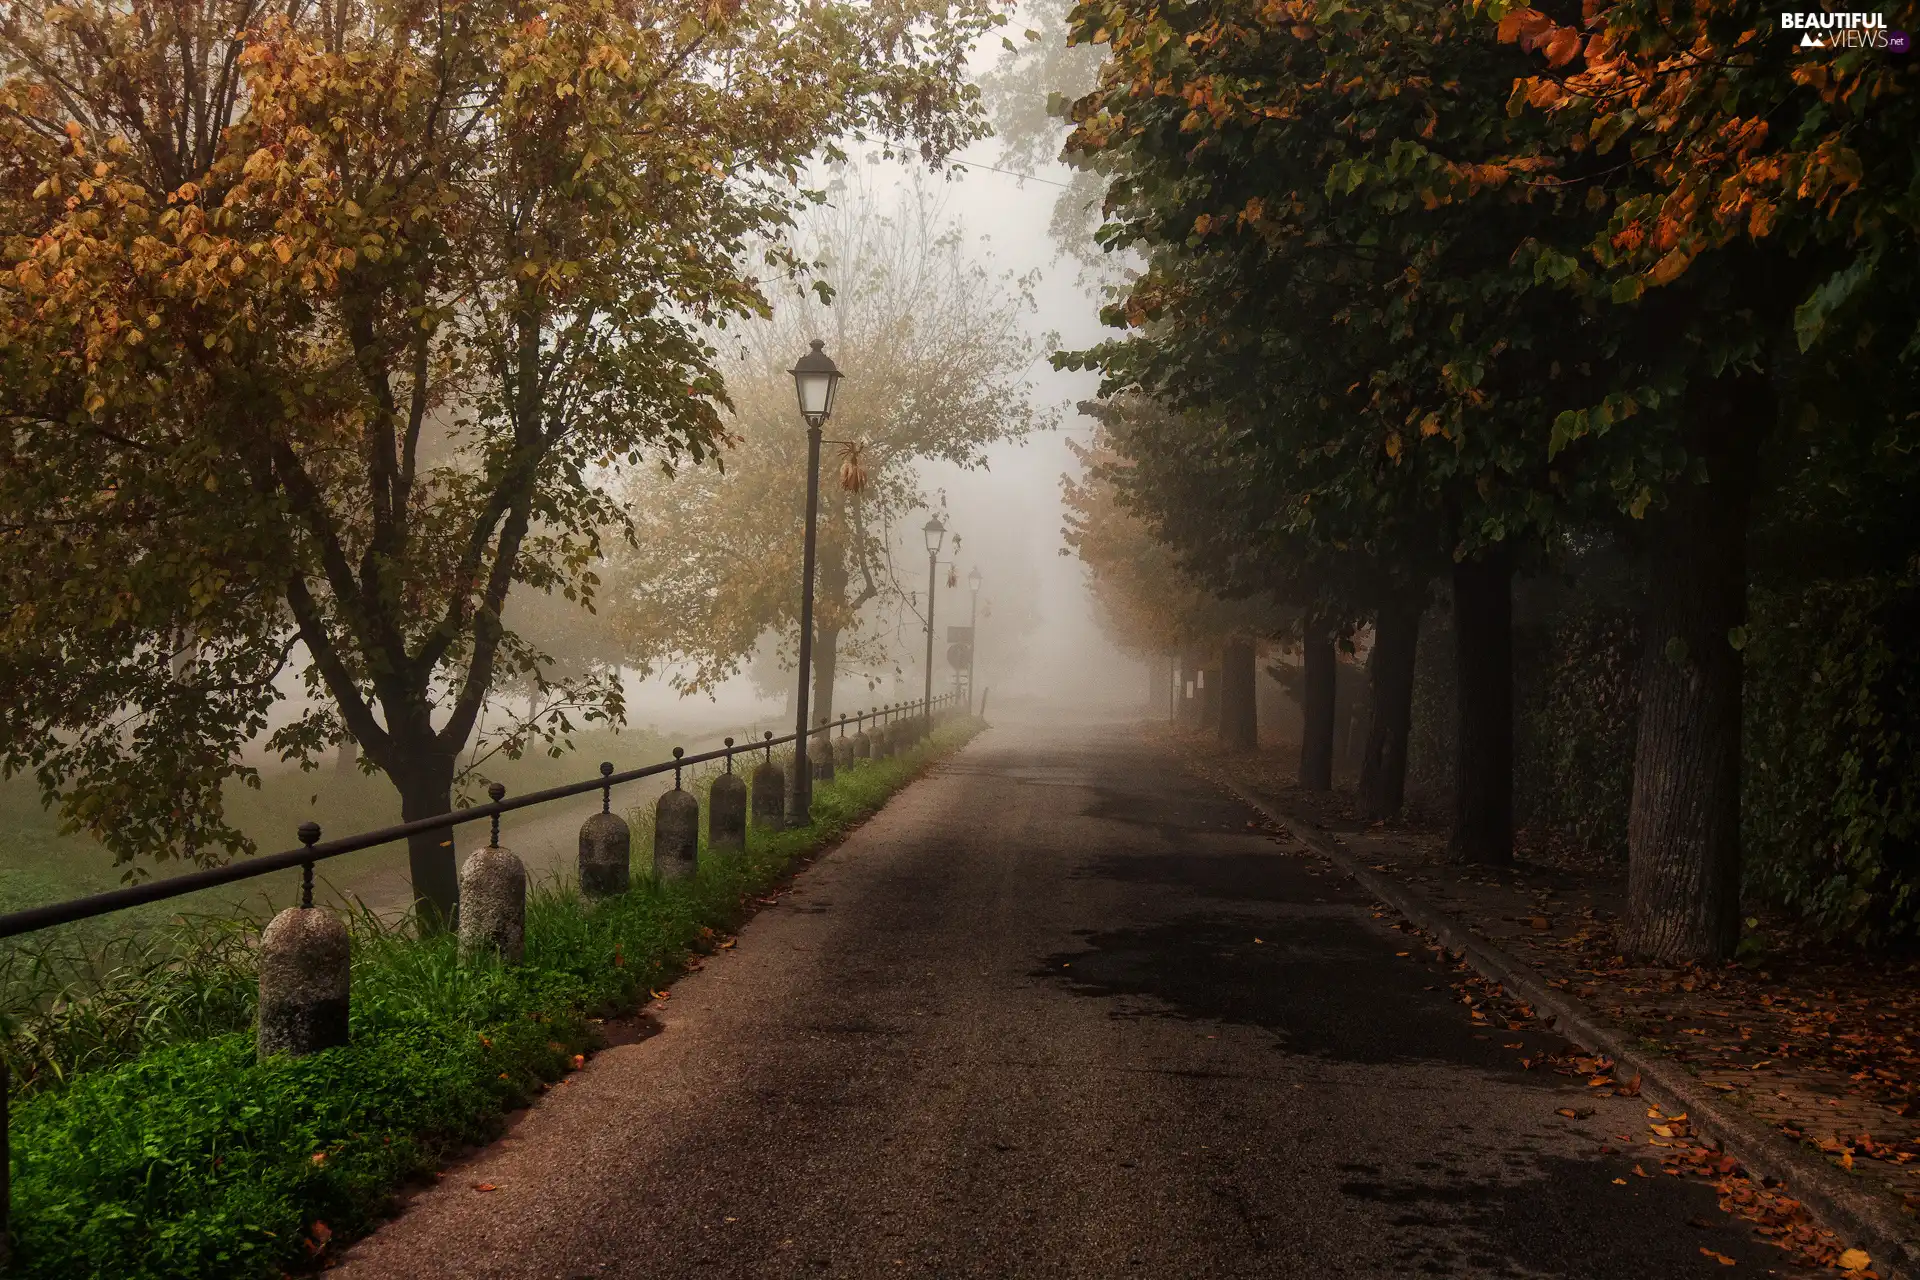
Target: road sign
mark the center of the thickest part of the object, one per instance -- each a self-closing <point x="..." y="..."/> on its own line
<point x="959" y="655"/>
<point x="960" y="635"/>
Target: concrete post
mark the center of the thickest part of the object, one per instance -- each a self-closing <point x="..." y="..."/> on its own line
<point x="676" y="831"/>
<point x="606" y="848"/>
<point x="769" y="794"/>
<point x="493" y="899"/>
<point x="843" y="748"/>
<point x="305" y="975"/>
<point x="727" y="810"/>
<point x="862" y="740"/>
<point x="820" y="752"/>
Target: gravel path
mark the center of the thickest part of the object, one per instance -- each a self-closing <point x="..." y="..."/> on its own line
<point x="1058" y="1011"/>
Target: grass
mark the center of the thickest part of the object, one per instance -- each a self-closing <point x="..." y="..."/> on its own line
<point x="161" y="1148"/>
<point x="40" y="864"/>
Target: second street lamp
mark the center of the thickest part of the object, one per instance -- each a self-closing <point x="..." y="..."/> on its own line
<point x="936" y="533"/>
<point x="815" y="380"/>
<point x="973" y="632"/>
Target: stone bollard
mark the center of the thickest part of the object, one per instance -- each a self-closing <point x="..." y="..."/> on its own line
<point x="606" y="847"/>
<point x="306" y="974"/>
<point x="727" y="809"/>
<point x="820" y="757"/>
<point x="769" y="795"/>
<point x="676" y="831"/>
<point x="862" y="741"/>
<point x="843" y="748"/>
<point x="493" y="899"/>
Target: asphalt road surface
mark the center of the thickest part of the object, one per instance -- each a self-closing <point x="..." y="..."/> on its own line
<point x="1060" y="1010"/>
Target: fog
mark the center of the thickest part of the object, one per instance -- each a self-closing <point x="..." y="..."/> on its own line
<point x="1038" y="638"/>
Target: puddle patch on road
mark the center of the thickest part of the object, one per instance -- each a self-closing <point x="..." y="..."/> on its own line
<point x="1323" y="985"/>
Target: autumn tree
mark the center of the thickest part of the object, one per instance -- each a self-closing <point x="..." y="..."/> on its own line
<point x="935" y="354"/>
<point x="1191" y="603"/>
<point x="322" y="326"/>
<point x="1328" y="200"/>
<point x="1758" y="221"/>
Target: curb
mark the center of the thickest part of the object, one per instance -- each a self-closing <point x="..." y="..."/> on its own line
<point x="1862" y="1216"/>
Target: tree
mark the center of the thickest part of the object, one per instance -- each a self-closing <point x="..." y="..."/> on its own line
<point x="1162" y="596"/>
<point x="321" y="328"/>
<point x="1746" y="182"/>
<point x="935" y="358"/>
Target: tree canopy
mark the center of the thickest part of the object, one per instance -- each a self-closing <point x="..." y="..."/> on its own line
<point x="321" y="326"/>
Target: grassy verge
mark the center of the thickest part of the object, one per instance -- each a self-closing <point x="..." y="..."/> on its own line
<point x="193" y="1159"/>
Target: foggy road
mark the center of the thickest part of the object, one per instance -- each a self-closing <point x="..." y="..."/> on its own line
<point x="1059" y="1011"/>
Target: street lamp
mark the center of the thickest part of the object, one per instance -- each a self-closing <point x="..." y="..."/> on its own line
<point x="935" y="533"/>
<point x="815" y="380"/>
<point x="973" y="632"/>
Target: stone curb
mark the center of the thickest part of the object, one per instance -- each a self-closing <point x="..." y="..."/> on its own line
<point x="1862" y="1217"/>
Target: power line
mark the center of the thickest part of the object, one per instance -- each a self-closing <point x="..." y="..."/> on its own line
<point x="1025" y="177"/>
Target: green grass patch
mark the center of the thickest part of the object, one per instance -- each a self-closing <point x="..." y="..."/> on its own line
<point x="192" y="1159"/>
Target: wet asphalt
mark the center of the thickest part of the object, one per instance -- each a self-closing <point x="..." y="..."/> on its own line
<point x="1063" y="1010"/>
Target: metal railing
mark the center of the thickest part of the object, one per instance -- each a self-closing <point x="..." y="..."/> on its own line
<point x="314" y="849"/>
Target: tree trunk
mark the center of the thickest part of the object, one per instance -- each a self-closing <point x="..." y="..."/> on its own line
<point x="426" y="789"/>
<point x="346" y="756"/>
<point x="826" y="656"/>
<point x="1318" y="672"/>
<point x="1683" y="826"/>
<point x="1390" y="670"/>
<point x="1210" y="701"/>
<point x="1483" y="667"/>
<point x="1239" y="716"/>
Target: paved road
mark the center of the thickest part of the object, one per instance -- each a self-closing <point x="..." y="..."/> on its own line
<point x="1058" y="1011"/>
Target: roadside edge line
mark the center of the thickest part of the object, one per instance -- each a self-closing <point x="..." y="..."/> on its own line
<point x="1861" y="1215"/>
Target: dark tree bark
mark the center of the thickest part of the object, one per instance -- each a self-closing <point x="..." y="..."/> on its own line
<point x="1239" y="713"/>
<point x="1210" y="700"/>
<point x="1390" y="670"/>
<point x="1317" y="679"/>
<point x="1683" y="827"/>
<point x="426" y="789"/>
<point x="1483" y="658"/>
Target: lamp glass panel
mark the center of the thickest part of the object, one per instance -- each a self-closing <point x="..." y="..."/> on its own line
<point x="816" y="393"/>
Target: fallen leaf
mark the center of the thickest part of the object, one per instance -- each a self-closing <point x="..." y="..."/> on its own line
<point x="1638" y="1172"/>
<point x="1619" y="1182"/>
<point x="1853" y="1260"/>
<point x="579" y="1061"/>
<point x="1720" y="1258"/>
<point x="484" y="1186"/>
<point x="319" y="1157"/>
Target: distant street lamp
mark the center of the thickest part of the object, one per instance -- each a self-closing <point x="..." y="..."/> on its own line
<point x="935" y="533"/>
<point x="815" y="380"/>
<point x="973" y="632"/>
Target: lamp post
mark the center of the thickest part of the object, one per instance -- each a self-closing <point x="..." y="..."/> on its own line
<point x="973" y="632"/>
<point x="815" y="380"/>
<point x="935" y="533"/>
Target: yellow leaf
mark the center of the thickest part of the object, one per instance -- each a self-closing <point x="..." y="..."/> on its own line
<point x="1393" y="446"/>
<point x="1853" y="1260"/>
<point x="1668" y="269"/>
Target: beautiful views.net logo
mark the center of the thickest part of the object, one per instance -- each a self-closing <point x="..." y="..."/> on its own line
<point x="1821" y="30"/>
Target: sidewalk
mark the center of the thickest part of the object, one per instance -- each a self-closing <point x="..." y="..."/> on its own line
<point x="1819" y="1052"/>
